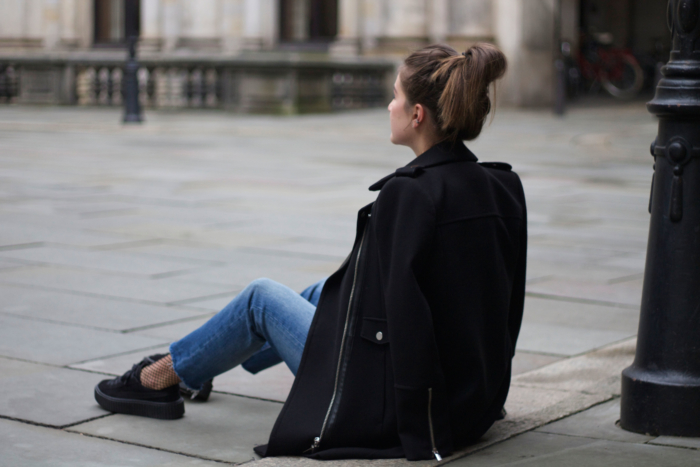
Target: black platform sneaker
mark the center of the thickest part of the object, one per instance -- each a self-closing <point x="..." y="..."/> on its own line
<point x="201" y="395"/>
<point x="127" y="395"/>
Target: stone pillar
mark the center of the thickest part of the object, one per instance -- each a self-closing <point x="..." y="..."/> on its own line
<point x="69" y="22"/>
<point x="525" y="32"/>
<point x="348" y="40"/>
<point x="11" y="22"/>
<point x="470" y="19"/>
<point x="439" y="25"/>
<point x="200" y="24"/>
<point x="406" y="19"/>
<point x="300" y="20"/>
<point x="52" y="23"/>
<point x="260" y="24"/>
<point x="171" y="11"/>
<point x="31" y="28"/>
<point x="570" y="21"/>
<point x="405" y="25"/>
<point x="370" y="24"/>
<point x="151" y="38"/>
<point x="84" y="21"/>
<point x="232" y="25"/>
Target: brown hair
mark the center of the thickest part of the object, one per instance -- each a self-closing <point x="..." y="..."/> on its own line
<point x="453" y="87"/>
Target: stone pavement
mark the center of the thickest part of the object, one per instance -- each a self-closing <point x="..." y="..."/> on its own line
<point x="115" y="240"/>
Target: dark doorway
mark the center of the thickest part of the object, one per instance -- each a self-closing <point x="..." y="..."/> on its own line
<point x="635" y="27"/>
<point x="636" y="24"/>
<point x="115" y="20"/>
<point x="308" y="22"/>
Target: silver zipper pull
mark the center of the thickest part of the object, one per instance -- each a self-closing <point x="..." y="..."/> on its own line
<point x="437" y="455"/>
<point x="314" y="445"/>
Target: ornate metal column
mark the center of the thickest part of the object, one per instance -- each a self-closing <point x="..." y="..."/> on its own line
<point x="132" y="107"/>
<point x="661" y="390"/>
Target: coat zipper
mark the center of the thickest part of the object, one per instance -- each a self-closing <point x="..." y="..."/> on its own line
<point x="430" y="424"/>
<point x="317" y="440"/>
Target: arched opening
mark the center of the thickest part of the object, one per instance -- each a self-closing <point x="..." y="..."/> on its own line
<point x="307" y="23"/>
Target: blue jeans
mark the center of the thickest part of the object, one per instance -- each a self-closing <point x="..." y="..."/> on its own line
<point x="265" y="324"/>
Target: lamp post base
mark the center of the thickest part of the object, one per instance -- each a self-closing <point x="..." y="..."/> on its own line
<point x="660" y="404"/>
<point x="132" y="118"/>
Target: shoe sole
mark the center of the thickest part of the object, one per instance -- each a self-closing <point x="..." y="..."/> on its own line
<point x="159" y="410"/>
<point x="202" y="396"/>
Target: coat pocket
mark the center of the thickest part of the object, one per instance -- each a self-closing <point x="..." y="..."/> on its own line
<point x="375" y="330"/>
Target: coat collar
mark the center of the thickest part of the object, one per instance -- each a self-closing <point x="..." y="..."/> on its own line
<point x="445" y="152"/>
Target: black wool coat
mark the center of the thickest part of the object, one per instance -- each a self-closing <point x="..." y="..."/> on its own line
<point x="409" y="353"/>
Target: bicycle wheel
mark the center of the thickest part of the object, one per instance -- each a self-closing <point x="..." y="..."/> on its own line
<point x="625" y="79"/>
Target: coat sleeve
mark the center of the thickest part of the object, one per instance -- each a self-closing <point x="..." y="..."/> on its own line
<point x="517" y="300"/>
<point x="405" y="226"/>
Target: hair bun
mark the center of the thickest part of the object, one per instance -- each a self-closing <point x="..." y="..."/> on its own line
<point x="453" y="89"/>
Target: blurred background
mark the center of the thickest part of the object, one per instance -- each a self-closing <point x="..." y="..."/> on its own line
<point x="291" y="56"/>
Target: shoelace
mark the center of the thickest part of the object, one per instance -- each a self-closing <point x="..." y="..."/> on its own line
<point x="137" y="367"/>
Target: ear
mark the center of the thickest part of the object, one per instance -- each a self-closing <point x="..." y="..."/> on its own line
<point x="418" y="116"/>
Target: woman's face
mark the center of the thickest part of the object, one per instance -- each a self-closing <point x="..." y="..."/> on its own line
<point x="401" y="129"/>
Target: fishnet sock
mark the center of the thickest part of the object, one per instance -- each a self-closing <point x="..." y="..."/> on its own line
<point x="160" y="374"/>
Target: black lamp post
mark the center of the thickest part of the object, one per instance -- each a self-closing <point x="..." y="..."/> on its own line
<point x="661" y="390"/>
<point x="559" y="64"/>
<point x="132" y="107"/>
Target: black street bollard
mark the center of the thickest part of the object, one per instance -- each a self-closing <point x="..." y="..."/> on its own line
<point x="560" y="87"/>
<point x="559" y="65"/>
<point x="132" y="107"/>
<point x="661" y="390"/>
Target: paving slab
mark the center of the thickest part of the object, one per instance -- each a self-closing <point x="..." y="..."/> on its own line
<point x="599" y="422"/>
<point x="677" y="441"/>
<point x="523" y="448"/>
<point x="110" y="261"/>
<point x="85" y="311"/>
<point x="20" y="232"/>
<point x="544" y="450"/>
<point x="61" y="344"/>
<point x="580" y="315"/>
<point x="172" y="332"/>
<point x="596" y="372"/>
<point x="117" y="364"/>
<point x="166" y="290"/>
<point x="637" y="261"/>
<point x="226" y="428"/>
<point x="524" y="362"/>
<point x="9" y="265"/>
<point x="215" y="304"/>
<point x="24" y="445"/>
<point x="543" y="269"/>
<point x="47" y="395"/>
<point x="557" y="339"/>
<point x="272" y="384"/>
<point x="626" y="293"/>
<point x="176" y="231"/>
<point x="293" y="272"/>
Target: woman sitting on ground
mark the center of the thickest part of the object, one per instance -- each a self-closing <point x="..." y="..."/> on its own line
<point x="406" y="350"/>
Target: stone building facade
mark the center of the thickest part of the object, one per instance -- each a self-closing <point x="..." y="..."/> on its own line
<point x="319" y="31"/>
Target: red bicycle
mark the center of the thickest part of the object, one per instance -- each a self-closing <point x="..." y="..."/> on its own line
<point x="613" y="68"/>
